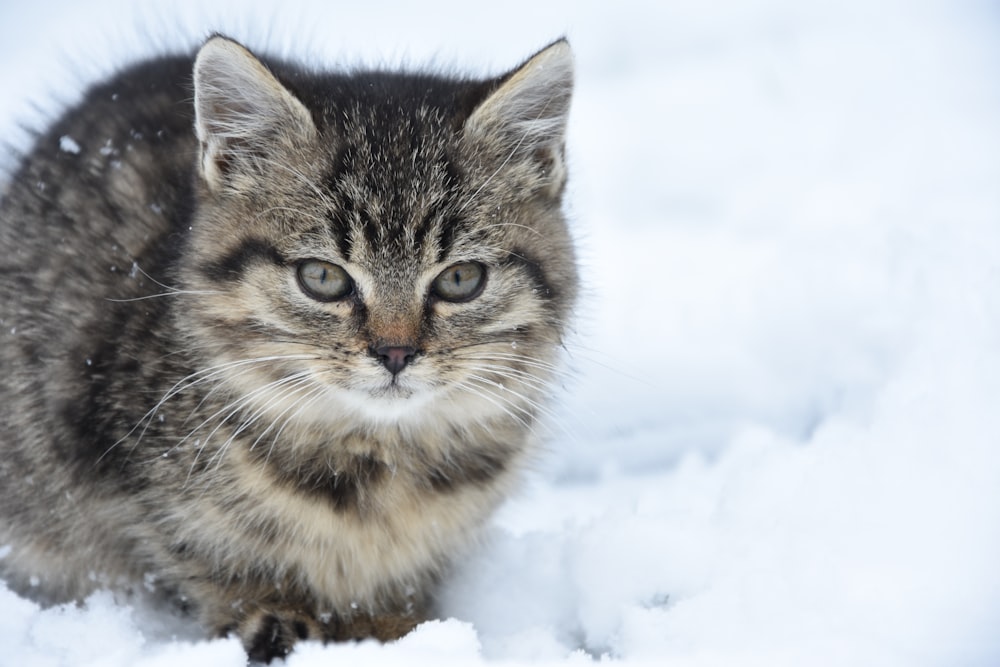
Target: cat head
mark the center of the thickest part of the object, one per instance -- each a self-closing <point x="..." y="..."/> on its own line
<point x="380" y="244"/>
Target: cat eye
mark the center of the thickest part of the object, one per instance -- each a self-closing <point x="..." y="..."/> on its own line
<point x="462" y="282"/>
<point x="324" y="281"/>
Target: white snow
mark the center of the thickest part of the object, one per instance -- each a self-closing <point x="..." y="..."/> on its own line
<point x="68" y="145"/>
<point x="779" y="440"/>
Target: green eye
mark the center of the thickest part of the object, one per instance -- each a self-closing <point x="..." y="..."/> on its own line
<point x="462" y="282"/>
<point x="324" y="281"/>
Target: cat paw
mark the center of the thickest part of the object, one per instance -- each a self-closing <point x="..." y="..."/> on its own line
<point x="271" y="634"/>
<point x="268" y="634"/>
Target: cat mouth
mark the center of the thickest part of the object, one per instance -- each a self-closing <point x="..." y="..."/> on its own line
<point x="394" y="389"/>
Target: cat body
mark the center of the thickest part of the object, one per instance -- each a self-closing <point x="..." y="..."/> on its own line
<point x="276" y="341"/>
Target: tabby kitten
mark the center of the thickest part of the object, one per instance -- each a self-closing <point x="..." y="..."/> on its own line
<point x="276" y="341"/>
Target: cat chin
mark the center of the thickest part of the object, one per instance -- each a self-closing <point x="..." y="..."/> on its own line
<point x="389" y="403"/>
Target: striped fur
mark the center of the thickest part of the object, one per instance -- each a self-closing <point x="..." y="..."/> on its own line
<point x="176" y="407"/>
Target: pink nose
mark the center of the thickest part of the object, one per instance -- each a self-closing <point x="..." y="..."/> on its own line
<point x="395" y="358"/>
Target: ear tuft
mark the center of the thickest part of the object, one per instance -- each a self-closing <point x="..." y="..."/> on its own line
<point x="528" y="112"/>
<point x="242" y="112"/>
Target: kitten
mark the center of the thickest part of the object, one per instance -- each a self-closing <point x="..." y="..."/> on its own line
<point x="278" y="340"/>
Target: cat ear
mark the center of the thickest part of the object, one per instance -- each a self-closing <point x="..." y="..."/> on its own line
<point x="525" y="116"/>
<point x="242" y="112"/>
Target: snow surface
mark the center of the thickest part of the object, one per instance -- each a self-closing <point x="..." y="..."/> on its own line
<point x="779" y="441"/>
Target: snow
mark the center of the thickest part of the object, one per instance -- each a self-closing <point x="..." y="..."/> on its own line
<point x="778" y="441"/>
<point x="68" y="145"/>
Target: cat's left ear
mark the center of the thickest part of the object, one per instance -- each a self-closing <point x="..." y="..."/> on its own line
<point x="525" y="117"/>
<point x="243" y="115"/>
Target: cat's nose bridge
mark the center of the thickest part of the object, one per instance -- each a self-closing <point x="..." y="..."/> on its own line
<point x="394" y="329"/>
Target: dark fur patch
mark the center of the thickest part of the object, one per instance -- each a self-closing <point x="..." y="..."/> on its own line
<point x="301" y="629"/>
<point x="268" y="641"/>
<point x="346" y="485"/>
<point x="533" y="269"/>
<point x="449" y="229"/>
<point x="95" y="438"/>
<point x="340" y="220"/>
<point x="468" y="468"/>
<point x="232" y="265"/>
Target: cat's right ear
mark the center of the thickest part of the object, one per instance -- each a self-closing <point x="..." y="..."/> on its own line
<point x="524" y="119"/>
<point x="243" y="115"/>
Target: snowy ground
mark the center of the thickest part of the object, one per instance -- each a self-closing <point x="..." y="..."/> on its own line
<point x="780" y="443"/>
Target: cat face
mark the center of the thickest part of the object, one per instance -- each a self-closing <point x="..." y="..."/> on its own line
<point x="378" y="246"/>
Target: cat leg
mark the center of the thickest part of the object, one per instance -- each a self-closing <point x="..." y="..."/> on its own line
<point x="268" y="634"/>
<point x="270" y="627"/>
<point x="272" y="633"/>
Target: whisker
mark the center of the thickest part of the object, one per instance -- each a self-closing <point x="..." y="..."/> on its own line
<point x="572" y="348"/>
<point x="187" y="382"/>
<point x="287" y="392"/>
<point x="544" y="410"/>
<point x="507" y="391"/>
<point x="530" y="362"/>
<point x="233" y="407"/>
<point x="307" y="402"/>
<point x="295" y="384"/>
<point x="500" y="225"/>
<point x="140" y="270"/>
<point x="492" y="398"/>
<point x="162" y="294"/>
<point x="514" y="374"/>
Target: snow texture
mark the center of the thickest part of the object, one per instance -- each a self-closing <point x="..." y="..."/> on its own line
<point x="779" y="438"/>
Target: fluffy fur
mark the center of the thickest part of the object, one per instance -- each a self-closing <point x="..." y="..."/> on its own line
<point x="179" y="405"/>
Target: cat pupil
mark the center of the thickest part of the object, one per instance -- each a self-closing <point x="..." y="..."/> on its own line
<point x="323" y="281"/>
<point x="462" y="282"/>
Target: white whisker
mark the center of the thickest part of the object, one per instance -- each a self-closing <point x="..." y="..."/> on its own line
<point x="163" y="294"/>
<point x="306" y="402"/>
<point x="513" y="374"/>
<point x="505" y="394"/>
<point x="185" y="383"/>
<point x="231" y="409"/>
<point x="491" y="398"/>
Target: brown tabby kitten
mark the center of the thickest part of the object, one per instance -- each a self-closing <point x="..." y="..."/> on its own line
<point x="277" y="340"/>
